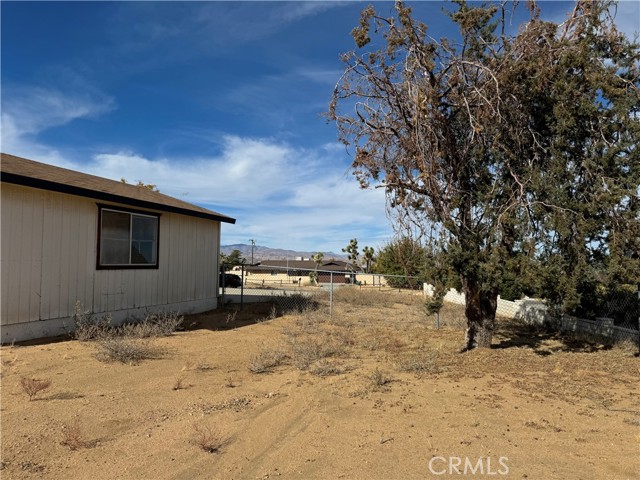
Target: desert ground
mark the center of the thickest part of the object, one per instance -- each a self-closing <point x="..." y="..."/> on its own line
<point x="373" y="391"/>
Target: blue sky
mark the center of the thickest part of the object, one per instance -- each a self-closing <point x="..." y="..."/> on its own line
<point x="217" y="103"/>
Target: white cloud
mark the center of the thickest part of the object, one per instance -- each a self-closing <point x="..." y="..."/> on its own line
<point x="247" y="169"/>
<point x="29" y="110"/>
<point x="281" y="195"/>
<point x="284" y="196"/>
<point x="207" y="28"/>
<point x="33" y="109"/>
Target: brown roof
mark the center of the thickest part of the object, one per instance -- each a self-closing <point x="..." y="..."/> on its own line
<point x="330" y="265"/>
<point x="47" y="177"/>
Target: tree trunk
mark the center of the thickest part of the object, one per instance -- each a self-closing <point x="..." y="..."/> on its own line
<point x="480" y="310"/>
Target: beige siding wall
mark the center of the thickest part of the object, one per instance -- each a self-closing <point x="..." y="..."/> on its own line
<point x="48" y="257"/>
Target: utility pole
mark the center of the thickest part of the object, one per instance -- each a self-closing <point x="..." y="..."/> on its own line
<point x="253" y="244"/>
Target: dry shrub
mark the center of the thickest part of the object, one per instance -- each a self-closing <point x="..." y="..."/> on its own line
<point x="393" y="344"/>
<point x="325" y="368"/>
<point x="73" y="436"/>
<point x="374" y="339"/>
<point x="125" y="350"/>
<point x="266" y="360"/>
<point x="344" y="336"/>
<point x="353" y="295"/>
<point x="379" y="380"/>
<point x="199" y="365"/>
<point x="33" y="386"/>
<point x="7" y="365"/>
<point x="161" y="324"/>
<point x="207" y="438"/>
<point x="310" y="320"/>
<point x="420" y="363"/>
<point x="179" y="384"/>
<point x="88" y="327"/>
<point x="452" y="315"/>
<point x="308" y="350"/>
<point x="231" y="316"/>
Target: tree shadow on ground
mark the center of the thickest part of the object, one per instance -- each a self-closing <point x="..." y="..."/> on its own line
<point x="233" y="316"/>
<point x="546" y="340"/>
<point x="230" y="317"/>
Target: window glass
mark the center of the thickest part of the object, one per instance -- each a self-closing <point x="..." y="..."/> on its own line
<point x="114" y="243"/>
<point x="128" y="239"/>
<point x="143" y="240"/>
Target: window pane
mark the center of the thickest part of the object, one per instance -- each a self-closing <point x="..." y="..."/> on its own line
<point x="144" y="240"/>
<point x="114" y="241"/>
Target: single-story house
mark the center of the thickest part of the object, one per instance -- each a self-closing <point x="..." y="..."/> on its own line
<point x="338" y="270"/>
<point x="113" y="247"/>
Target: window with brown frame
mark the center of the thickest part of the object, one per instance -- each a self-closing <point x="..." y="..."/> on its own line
<point x="127" y="239"/>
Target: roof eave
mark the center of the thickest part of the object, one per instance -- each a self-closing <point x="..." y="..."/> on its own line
<point x="98" y="195"/>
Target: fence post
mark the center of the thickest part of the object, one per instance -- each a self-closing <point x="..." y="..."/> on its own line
<point x="242" y="288"/>
<point x="221" y="277"/>
<point x="638" y="292"/>
<point x="331" y="295"/>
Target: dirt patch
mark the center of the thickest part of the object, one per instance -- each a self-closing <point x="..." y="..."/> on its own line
<point x="374" y="391"/>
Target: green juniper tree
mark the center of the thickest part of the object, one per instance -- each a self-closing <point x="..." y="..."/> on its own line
<point x="514" y="149"/>
<point x="235" y="258"/>
<point x="402" y="257"/>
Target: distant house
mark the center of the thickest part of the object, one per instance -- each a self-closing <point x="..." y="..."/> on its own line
<point x="116" y="248"/>
<point x="340" y="271"/>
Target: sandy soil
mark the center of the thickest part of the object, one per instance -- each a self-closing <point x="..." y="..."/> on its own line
<point x="390" y="398"/>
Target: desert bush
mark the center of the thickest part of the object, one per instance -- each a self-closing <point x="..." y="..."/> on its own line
<point x="344" y="337"/>
<point x="87" y="326"/>
<point x="161" y="324"/>
<point x="199" y="364"/>
<point x="452" y="315"/>
<point x="165" y="323"/>
<point x="33" y="386"/>
<point x="325" y="368"/>
<point x="379" y="380"/>
<point x="124" y="350"/>
<point x="362" y="297"/>
<point x="179" y="384"/>
<point x="73" y="436"/>
<point x="207" y="438"/>
<point x="420" y="363"/>
<point x="231" y="316"/>
<point x="305" y="351"/>
<point x="266" y="360"/>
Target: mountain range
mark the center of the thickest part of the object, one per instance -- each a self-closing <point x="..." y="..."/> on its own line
<point x="267" y="253"/>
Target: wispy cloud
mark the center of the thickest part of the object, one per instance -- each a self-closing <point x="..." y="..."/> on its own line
<point x="33" y="109"/>
<point x="28" y="110"/>
<point x="208" y="28"/>
<point x="282" y="195"/>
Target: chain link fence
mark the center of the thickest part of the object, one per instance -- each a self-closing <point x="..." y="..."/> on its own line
<point x="295" y="289"/>
<point x="618" y="318"/>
